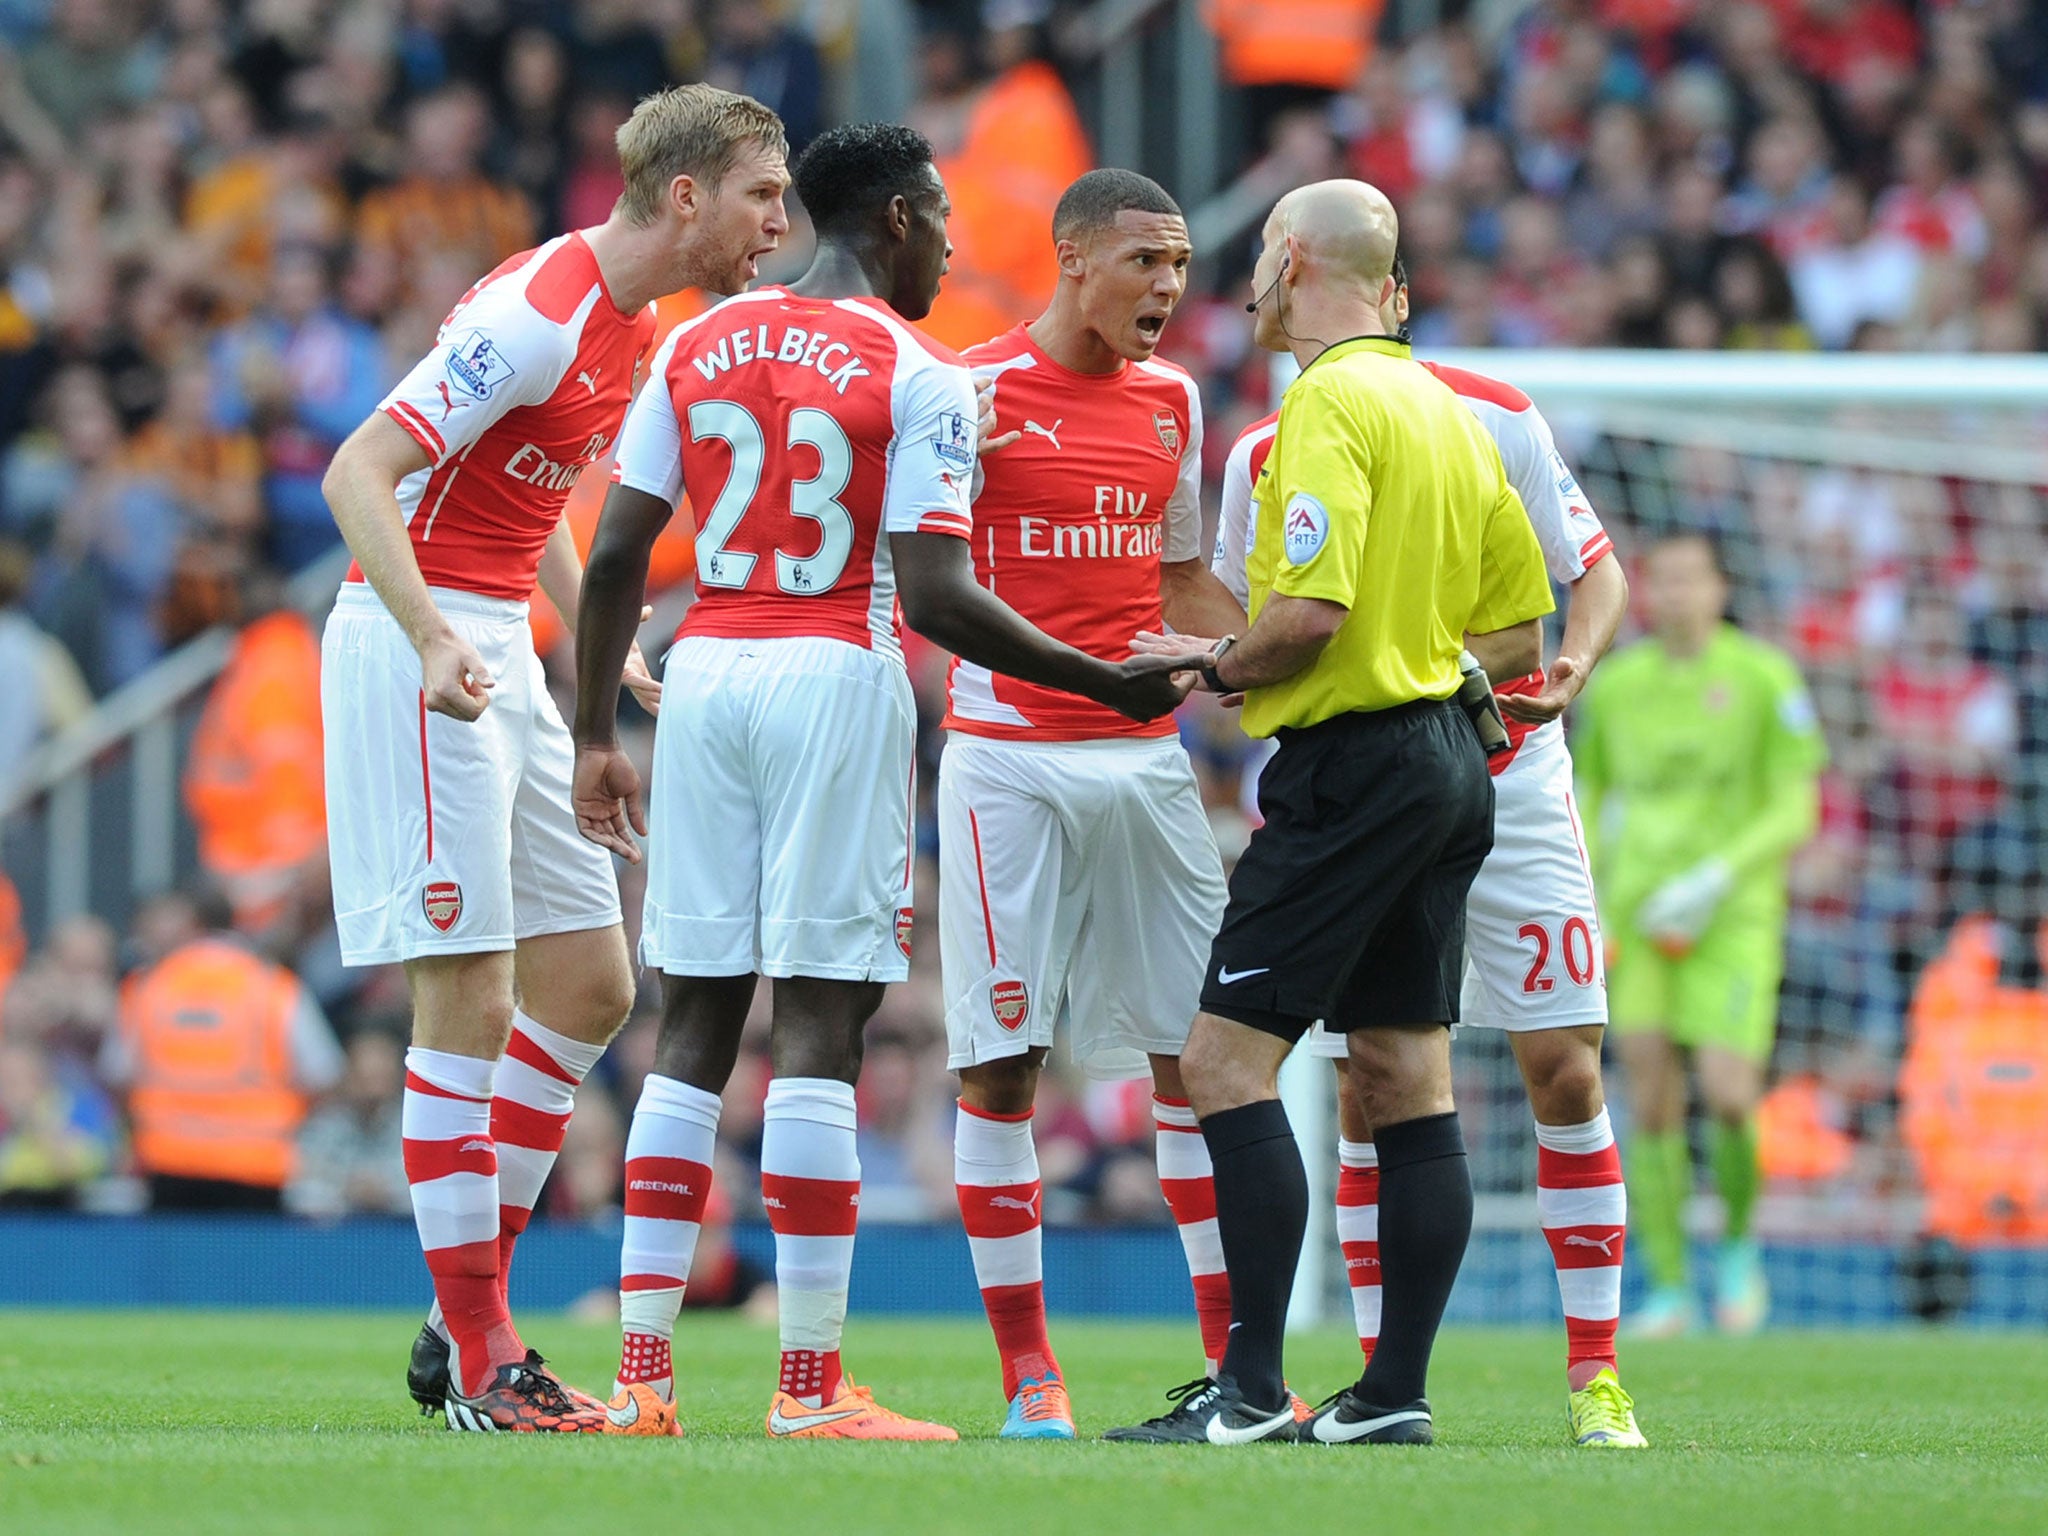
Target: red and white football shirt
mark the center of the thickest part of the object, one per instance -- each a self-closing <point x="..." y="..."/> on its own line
<point x="522" y="392"/>
<point x="804" y="430"/>
<point x="1073" y="521"/>
<point x="1566" y="525"/>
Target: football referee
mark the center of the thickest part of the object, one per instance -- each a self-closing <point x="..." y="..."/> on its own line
<point x="1386" y="532"/>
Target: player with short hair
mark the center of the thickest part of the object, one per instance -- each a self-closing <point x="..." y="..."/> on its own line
<point x="1533" y="950"/>
<point x="827" y="449"/>
<point x="1700" y="757"/>
<point x="1078" y="878"/>
<point x="448" y="767"/>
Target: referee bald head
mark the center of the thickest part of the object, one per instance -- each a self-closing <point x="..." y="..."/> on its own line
<point x="1327" y="259"/>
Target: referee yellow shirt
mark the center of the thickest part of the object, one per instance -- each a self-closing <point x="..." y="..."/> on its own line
<point x="1382" y="492"/>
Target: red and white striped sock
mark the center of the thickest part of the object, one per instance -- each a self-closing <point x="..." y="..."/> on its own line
<point x="1188" y="1181"/>
<point x="535" y="1091"/>
<point x="668" y="1181"/>
<point x="1358" y="1233"/>
<point x="1583" y="1205"/>
<point x="810" y="1183"/>
<point x="452" y="1167"/>
<point x="995" y="1176"/>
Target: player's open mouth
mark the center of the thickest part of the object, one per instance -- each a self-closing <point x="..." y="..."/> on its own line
<point x="1151" y="325"/>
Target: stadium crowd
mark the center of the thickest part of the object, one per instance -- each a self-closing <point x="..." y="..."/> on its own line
<point x="224" y="227"/>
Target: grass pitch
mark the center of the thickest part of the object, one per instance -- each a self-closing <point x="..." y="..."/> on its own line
<point x="298" y="1423"/>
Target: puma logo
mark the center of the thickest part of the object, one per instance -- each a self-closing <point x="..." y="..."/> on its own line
<point x="588" y="380"/>
<point x="1604" y="1244"/>
<point x="1012" y="1203"/>
<point x="449" y="404"/>
<point x="1050" y="434"/>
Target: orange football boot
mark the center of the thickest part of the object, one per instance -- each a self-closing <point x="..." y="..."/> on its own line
<point x="637" y="1409"/>
<point x="852" y="1415"/>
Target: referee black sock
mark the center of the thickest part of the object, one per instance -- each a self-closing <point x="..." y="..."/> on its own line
<point x="1425" y="1222"/>
<point x="1261" y="1213"/>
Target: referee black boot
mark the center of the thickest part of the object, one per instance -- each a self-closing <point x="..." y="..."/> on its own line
<point x="1345" y="1418"/>
<point x="1211" y="1413"/>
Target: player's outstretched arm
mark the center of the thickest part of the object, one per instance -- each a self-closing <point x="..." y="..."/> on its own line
<point x="1195" y="602"/>
<point x="1289" y="635"/>
<point x="1599" y="602"/>
<point x="606" y="791"/>
<point x="361" y="487"/>
<point x="943" y="602"/>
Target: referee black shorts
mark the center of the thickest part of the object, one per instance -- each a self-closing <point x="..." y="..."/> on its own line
<point x="1349" y="902"/>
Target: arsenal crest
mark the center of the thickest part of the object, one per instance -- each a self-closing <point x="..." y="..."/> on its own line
<point x="1168" y="430"/>
<point x="903" y="921"/>
<point x="1011" y="1003"/>
<point x="443" y="902"/>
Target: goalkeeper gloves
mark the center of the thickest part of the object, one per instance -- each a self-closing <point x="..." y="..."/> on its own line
<point x="1678" y="911"/>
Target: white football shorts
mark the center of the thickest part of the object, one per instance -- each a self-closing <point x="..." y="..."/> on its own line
<point x="446" y="837"/>
<point x="780" y="815"/>
<point x="1079" y="884"/>
<point x="1533" y="956"/>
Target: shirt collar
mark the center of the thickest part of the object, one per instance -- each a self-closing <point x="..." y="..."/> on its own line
<point x="1387" y="346"/>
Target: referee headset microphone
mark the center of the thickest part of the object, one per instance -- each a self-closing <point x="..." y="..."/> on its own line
<point x="1259" y="303"/>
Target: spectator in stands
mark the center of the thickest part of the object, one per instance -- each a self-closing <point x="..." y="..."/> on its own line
<point x="13" y="942"/>
<point x="444" y="215"/>
<point x="1950" y="725"/>
<point x="531" y="125"/>
<point x="218" y="1053"/>
<point x="109" y="536"/>
<point x="215" y="472"/>
<point x="905" y="1116"/>
<point x="592" y="180"/>
<point x="1618" y="196"/>
<point x="253" y="779"/>
<point x="54" y="1137"/>
<point x="1973" y="1089"/>
<point x="44" y="691"/>
<point x="351" y="1149"/>
<point x="1007" y="150"/>
<point x="1753" y="292"/>
<point x="90" y="63"/>
<point x="1933" y="204"/>
<point x="64" y="995"/>
<point x="1849" y="273"/>
<point x="1785" y="193"/>
<point x="298" y="374"/>
<point x="756" y="51"/>
<point x="1288" y="53"/>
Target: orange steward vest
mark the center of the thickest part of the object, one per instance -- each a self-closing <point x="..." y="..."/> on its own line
<point x="1322" y="43"/>
<point x="210" y="1029"/>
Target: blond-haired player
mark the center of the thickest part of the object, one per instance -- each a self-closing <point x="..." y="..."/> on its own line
<point x="454" y="849"/>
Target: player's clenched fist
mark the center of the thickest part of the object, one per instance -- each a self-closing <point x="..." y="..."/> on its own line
<point x="453" y="678"/>
<point x="606" y="797"/>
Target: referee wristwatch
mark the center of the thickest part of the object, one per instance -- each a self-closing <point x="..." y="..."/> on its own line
<point x="1210" y="680"/>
